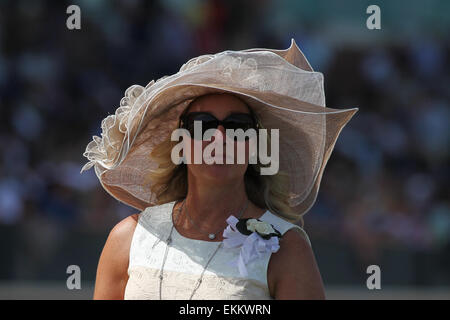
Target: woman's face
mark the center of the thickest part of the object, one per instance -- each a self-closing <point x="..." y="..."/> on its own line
<point x="220" y="106"/>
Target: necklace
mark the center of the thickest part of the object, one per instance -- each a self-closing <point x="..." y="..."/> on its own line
<point x="169" y="241"/>
<point x="211" y="236"/>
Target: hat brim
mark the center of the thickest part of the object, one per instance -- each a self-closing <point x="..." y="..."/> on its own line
<point x="278" y="85"/>
<point x="303" y="161"/>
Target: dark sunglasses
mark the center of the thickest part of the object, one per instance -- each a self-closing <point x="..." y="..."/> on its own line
<point x="234" y="121"/>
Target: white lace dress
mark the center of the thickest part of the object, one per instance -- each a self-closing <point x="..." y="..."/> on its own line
<point x="186" y="259"/>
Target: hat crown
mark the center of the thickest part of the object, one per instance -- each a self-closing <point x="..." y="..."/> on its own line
<point x="281" y="87"/>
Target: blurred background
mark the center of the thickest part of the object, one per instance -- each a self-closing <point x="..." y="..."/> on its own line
<point x="384" y="197"/>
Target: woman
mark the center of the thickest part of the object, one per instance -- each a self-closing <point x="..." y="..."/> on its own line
<point x="181" y="245"/>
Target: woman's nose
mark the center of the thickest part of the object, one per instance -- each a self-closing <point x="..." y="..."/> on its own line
<point x="220" y="133"/>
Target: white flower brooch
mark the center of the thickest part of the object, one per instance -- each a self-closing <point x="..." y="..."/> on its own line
<point x="255" y="237"/>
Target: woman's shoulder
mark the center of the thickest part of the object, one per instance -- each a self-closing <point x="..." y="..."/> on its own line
<point x="122" y="233"/>
<point x="285" y="227"/>
<point x="113" y="263"/>
<point x="125" y="228"/>
<point x="125" y="225"/>
<point x="292" y="270"/>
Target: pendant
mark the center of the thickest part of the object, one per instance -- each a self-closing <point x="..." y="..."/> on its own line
<point x="211" y="236"/>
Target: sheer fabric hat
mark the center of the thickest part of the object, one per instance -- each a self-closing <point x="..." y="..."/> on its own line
<point x="279" y="85"/>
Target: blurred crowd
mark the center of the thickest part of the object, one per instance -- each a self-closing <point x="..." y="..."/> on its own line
<point x="385" y="185"/>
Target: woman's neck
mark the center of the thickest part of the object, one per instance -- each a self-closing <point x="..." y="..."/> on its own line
<point x="209" y="206"/>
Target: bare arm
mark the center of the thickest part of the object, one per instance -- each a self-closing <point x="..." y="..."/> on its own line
<point x="112" y="267"/>
<point x="293" y="273"/>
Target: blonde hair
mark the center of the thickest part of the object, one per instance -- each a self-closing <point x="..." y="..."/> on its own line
<point x="169" y="181"/>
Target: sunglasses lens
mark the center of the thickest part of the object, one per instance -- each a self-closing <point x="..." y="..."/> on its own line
<point x="235" y="121"/>
<point x="239" y="121"/>
<point x="207" y="122"/>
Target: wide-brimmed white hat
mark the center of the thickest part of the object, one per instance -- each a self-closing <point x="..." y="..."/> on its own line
<point x="280" y="87"/>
